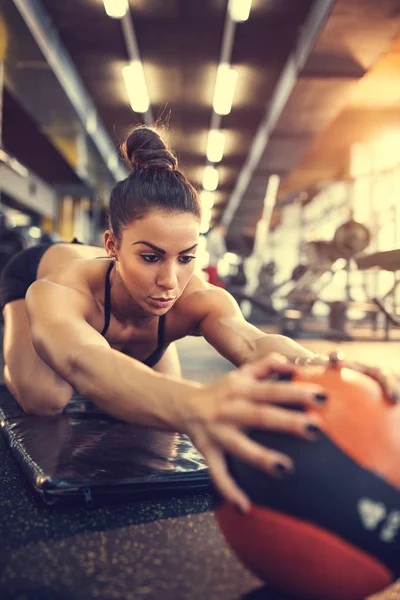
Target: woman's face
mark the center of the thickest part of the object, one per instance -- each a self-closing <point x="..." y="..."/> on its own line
<point x="156" y="258"/>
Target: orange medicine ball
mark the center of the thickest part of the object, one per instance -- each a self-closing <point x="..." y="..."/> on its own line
<point x="330" y="530"/>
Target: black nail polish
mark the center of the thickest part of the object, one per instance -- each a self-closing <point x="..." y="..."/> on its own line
<point x="311" y="428"/>
<point x="321" y="397"/>
<point x="282" y="470"/>
<point x="284" y="376"/>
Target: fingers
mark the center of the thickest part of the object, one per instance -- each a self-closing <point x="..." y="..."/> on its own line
<point x="238" y="444"/>
<point x="296" y="393"/>
<point x="384" y="377"/>
<point x="240" y="385"/>
<point x="223" y="481"/>
<point x="273" y="363"/>
<point x="271" y="418"/>
<point x="386" y="380"/>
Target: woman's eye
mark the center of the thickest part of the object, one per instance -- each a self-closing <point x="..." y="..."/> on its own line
<point x="186" y="259"/>
<point x="151" y="258"/>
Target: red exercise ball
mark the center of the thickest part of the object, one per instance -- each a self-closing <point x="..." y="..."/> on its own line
<point x="330" y="530"/>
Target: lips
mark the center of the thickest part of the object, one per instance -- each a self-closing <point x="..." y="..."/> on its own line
<point x="162" y="302"/>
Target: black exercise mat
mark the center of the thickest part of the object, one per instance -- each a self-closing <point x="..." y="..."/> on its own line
<point x="86" y="453"/>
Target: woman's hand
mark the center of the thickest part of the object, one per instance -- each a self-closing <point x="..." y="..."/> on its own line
<point x="245" y="398"/>
<point x="387" y="380"/>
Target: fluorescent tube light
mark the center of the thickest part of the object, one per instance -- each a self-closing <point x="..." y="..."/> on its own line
<point x="91" y="123"/>
<point x="239" y="10"/>
<point x="112" y="162"/>
<point x="116" y="9"/>
<point x="215" y="145"/>
<point x="136" y="86"/>
<point x="205" y="221"/>
<point x="207" y="200"/>
<point x="210" y="178"/>
<point x="224" y="89"/>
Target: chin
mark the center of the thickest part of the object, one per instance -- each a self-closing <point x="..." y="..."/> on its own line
<point x="160" y="311"/>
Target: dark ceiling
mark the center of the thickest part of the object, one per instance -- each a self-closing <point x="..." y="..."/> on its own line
<point x="22" y="138"/>
<point x="271" y="128"/>
<point x="180" y="43"/>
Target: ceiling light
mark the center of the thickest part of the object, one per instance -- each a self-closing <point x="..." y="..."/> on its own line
<point x="112" y="162"/>
<point x="207" y="200"/>
<point x="210" y="178"/>
<point x="136" y="86"/>
<point x="35" y="232"/>
<point x="215" y="145"/>
<point x="239" y="10"/>
<point x="91" y="123"/>
<point x="224" y="90"/>
<point x="205" y="222"/>
<point x="116" y="9"/>
<point x="207" y="203"/>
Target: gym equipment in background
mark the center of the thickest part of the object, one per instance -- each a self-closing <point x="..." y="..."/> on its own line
<point x="375" y="308"/>
<point x="350" y="239"/>
<point x="290" y="303"/>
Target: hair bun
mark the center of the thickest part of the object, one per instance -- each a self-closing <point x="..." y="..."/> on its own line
<point x="145" y="149"/>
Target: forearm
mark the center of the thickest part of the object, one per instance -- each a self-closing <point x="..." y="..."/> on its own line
<point x="268" y="343"/>
<point x="131" y="391"/>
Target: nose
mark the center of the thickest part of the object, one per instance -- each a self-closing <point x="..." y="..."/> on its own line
<point x="167" y="277"/>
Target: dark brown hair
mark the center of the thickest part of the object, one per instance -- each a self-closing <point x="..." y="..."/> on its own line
<point x="155" y="182"/>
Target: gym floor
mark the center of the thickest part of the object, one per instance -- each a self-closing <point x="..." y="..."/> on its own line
<point x="202" y="363"/>
<point x="134" y="550"/>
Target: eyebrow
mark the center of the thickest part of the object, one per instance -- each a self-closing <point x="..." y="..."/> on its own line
<point x="160" y="250"/>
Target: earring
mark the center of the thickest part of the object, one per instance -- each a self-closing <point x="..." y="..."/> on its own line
<point x="114" y="258"/>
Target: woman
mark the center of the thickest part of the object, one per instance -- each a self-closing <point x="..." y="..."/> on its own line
<point x="104" y="323"/>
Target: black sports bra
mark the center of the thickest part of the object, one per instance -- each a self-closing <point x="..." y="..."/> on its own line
<point x="161" y="345"/>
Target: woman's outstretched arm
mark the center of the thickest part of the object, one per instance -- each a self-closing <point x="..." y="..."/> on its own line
<point x="214" y="416"/>
<point x="224" y="327"/>
<point x="222" y="324"/>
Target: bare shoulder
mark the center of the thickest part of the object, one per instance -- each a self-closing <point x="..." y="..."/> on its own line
<point x="82" y="274"/>
<point x="59" y="258"/>
<point x="54" y="299"/>
<point x="200" y="298"/>
<point x="72" y="292"/>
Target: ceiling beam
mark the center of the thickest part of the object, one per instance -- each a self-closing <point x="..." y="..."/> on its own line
<point x="326" y="65"/>
<point x="46" y="37"/>
<point x="317" y="17"/>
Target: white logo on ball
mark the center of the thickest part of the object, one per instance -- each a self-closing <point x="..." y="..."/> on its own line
<point x="373" y="513"/>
